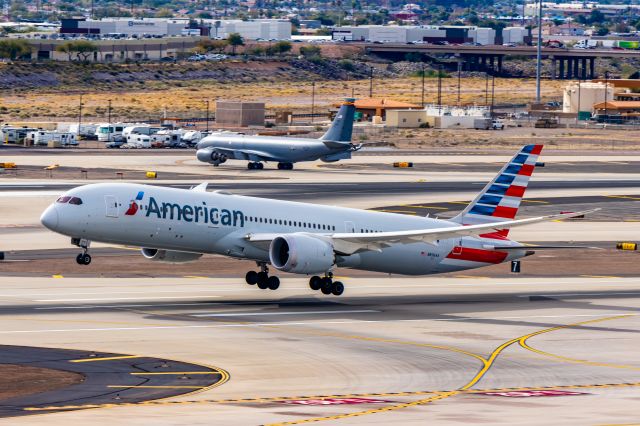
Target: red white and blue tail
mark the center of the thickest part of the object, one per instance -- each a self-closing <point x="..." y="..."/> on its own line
<point x="501" y="198"/>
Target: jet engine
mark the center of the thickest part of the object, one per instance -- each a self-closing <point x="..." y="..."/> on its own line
<point x="301" y="254"/>
<point x="210" y="156"/>
<point x="169" y="256"/>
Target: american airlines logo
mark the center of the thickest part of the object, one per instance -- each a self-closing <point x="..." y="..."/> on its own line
<point x="133" y="207"/>
<point x="189" y="213"/>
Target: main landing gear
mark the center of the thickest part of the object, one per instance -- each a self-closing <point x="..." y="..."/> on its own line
<point x="83" y="258"/>
<point x="262" y="278"/>
<point x="285" y="166"/>
<point x="255" y="166"/>
<point x="326" y="285"/>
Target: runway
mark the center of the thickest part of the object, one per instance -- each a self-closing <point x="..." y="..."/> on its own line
<point x="391" y="350"/>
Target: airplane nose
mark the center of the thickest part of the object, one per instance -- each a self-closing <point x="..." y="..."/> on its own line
<point x="50" y="217"/>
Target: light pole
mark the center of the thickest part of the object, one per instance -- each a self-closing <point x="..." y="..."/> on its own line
<point x="493" y="91"/>
<point x="371" y="82"/>
<point x="439" y="88"/>
<point x="207" y="102"/>
<point x="80" y="115"/>
<point x="109" y="112"/>
<point x="313" y="99"/>
<point x="606" y="87"/>
<point x="539" y="53"/>
<point x="422" y="98"/>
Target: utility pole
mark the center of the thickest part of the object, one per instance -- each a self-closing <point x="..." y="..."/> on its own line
<point x="422" y="98"/>
<point x="493" y="87"/>
<point x="459" y="72"/>
<point x="80" y="115"/>
<point x="539" y="53"/>
<point x="606" y="87"/>
<point x="486" y="89"/>
<point x="439" y="88"/>
<point x="207" y="102"/>
<point x="313" y="99"/>
<point x="578" y="114"/>
<point x="109" y="112"/>
<point x="371" y="82"/>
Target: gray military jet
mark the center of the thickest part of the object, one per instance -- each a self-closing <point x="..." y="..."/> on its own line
<point x="333" y="146"/>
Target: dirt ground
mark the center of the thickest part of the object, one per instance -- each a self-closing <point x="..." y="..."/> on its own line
<point x="22" y="380"/>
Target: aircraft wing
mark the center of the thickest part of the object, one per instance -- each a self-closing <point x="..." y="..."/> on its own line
<point x="350" y="243"/>
<point x="246" y="154"/>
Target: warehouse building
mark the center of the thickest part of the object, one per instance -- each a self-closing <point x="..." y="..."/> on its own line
<point x="410" y="34"/>
<point x="266" y="29"/>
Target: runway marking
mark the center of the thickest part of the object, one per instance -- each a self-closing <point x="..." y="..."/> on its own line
<point x="419" y="206"/>
<point x="458" y="202"/>
<point x="57" y="276"/>
<point x="523" y="342"/>
<point x="471" y="277"/>
<point x="195" y="277"/>
<point x="599" y="276"/>
<point x="618" y="293"/>
<point x="125" y="306"/>
<point x="247" y="314"/>
<point x="626" y="197"/>
<point x="487" y="364"/>
<point x="397" y="211"/>
<point x="174" y="373"/>
<point x="298" y="397"/>
<point x="535" y="201"/>
<point x="123" y="298"/>
<point x="110" y="358"/>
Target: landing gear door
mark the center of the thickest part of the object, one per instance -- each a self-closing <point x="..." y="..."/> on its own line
<point x="349" y="227"/>
<point x="111" y="204"/>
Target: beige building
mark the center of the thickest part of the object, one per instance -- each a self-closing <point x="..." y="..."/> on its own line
<point x="406" y="117"/>
<point x="239" y="114"/>
<point x="580" y="97"/>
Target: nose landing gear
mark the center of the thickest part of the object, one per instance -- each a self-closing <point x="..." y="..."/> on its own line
<point x="83" y="258"/>
<point x="262" y="278"/>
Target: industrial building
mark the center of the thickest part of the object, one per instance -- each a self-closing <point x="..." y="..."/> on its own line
<point x="266" y="29"/>
<point x="240" y="114"/>
<point x="580" y="97"/>
<point x="125" y="26"/>
<point x="411" y="34"/>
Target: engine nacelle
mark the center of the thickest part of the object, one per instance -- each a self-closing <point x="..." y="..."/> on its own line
<point x="209" y="156"/>
<point x="169" y="256"/>
<point x="301" y="254"/>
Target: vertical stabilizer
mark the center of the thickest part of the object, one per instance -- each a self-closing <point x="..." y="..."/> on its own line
<point x="342" y="127"/>
<point x="500" y="198"/>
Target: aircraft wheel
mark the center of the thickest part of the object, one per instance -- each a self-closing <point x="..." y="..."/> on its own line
<point x="273" y="283"/>
<point x="338" y="288"/>
<point x="327" y="285"/>
<point x="315" y="282"/>
<point x="251" y="277"/>
<point x="260" y="166"/>
<point x="289" y="166"/>
<point x="80" y="259"/>
<point x="251" y="166"/>
<point x="84" y="259"/>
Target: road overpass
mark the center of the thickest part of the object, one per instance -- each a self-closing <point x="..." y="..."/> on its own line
<point x="565" y="63"/>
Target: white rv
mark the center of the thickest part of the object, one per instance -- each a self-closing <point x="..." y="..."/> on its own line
<point x="45" y="137"/>
<point x="106" y="131"/>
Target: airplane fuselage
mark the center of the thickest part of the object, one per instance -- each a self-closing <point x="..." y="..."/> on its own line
<point x="219" y="223"/>
<point x="273" y="148"/>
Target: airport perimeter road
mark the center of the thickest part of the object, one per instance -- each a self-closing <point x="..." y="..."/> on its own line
<point x="444" y="351"/>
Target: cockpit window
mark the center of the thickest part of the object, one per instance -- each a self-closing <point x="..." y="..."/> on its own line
<point x="75" y="200"/>
<point x="63" y="200"/>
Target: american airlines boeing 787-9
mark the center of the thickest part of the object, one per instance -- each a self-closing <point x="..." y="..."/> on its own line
<point x="177" y="225"/>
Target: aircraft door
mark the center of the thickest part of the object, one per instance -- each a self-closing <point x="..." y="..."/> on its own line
<point x="349" y="227"/>
<point x="111" y="204"/>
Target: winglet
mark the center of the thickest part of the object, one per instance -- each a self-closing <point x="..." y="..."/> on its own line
<point x="200" y="188"/>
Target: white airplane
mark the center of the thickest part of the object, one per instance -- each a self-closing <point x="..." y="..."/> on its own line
<point x="177" y="225"/>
